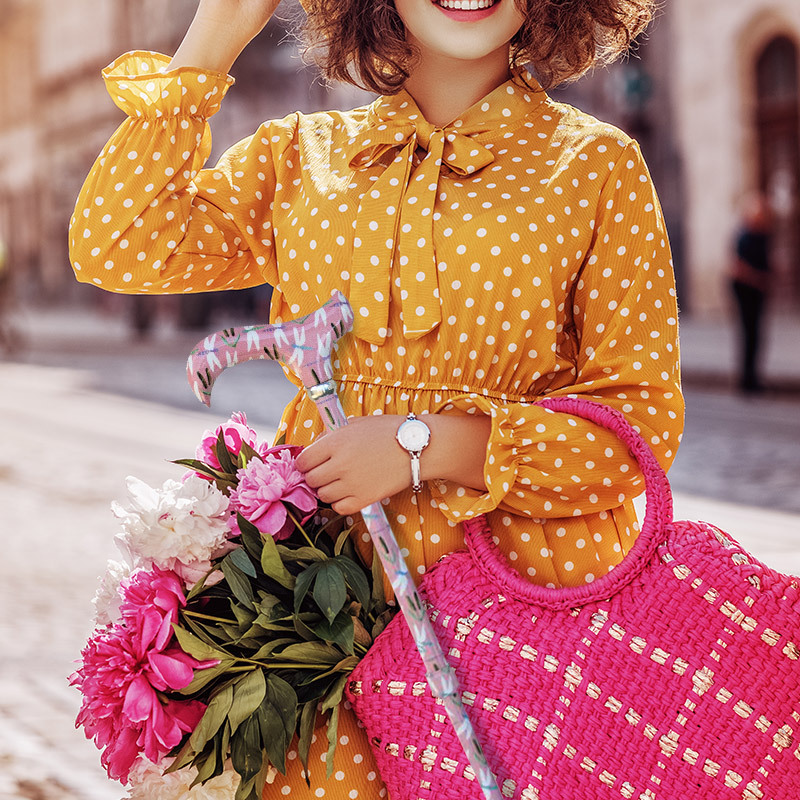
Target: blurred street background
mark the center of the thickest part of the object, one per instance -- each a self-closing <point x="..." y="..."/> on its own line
<point x="92" y="386"/>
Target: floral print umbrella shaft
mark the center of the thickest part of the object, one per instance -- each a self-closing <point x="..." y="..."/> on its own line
<point x="305" y="345"/>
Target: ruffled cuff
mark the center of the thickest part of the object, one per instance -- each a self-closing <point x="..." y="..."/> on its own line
<point x="500" y="469"/>
<point x="140" y="84"/>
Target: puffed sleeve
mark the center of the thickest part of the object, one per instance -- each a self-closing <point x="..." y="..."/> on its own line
<point x="149" y="218"/>
<point x="544" y="464"/>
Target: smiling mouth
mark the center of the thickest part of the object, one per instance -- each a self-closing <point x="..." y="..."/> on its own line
<point x="466" y="5"/>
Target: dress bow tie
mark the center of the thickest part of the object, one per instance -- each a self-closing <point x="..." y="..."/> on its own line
<point x="394" y="227"/>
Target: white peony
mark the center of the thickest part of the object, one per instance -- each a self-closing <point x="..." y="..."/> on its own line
<point x="148" y="782"/>
<point x="107" y="599"/>
<point x="179" y="527"/>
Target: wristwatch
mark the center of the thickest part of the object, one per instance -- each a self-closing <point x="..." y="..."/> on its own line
<point x="413" y="436"/>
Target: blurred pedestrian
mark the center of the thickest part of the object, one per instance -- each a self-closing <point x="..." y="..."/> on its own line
<point x="5" y="299"/>
<point x="750" y="281"/>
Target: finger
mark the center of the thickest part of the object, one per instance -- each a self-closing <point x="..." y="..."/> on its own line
<point x="321" y="475"/>
<point x="347" y="505"/>
<point x="332" y="492"/>
<point x="312" y="456"/>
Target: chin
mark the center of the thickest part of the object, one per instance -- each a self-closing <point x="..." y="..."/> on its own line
<point x="443" y="30"/>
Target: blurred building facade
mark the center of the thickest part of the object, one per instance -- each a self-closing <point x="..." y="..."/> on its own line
<point x="713" y="96"/>
<point x="55" y="114"/>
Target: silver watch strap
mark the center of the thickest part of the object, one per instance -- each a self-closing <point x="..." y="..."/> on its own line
<point x="416" y="478"/>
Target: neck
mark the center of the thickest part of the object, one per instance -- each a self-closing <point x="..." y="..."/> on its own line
<point x="443" y="87"/>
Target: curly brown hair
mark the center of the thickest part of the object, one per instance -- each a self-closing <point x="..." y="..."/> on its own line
<point x="363" y="42"/>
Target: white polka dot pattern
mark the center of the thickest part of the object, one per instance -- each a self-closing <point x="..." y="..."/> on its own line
<point x="517" y="253"/>
<point x="520" y="252"/>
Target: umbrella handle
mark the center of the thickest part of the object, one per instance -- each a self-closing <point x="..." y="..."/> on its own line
<point x="305" y="346"/>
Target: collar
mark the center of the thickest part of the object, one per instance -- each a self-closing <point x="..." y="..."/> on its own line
<point x="394" y="225"/>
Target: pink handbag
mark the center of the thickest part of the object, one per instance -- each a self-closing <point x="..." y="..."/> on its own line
<point x="674" y="676"/>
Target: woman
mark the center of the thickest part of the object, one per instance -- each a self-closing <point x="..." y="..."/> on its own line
<point x="496" y="247"/>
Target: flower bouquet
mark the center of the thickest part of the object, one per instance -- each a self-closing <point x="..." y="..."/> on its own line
<point x="240" y="610"/>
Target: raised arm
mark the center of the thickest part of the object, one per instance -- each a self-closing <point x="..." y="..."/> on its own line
<point x="149" y="219"/>
<point x="219" y="32"/>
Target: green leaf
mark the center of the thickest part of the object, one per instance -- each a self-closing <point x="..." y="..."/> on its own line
<point x="251" y="540"/>
<point x="271" y="562"/>
<point x="341" y="631"/>
<point x="184" y="756"/>
<point x="244" y="616"/>
<point x="378" y="595"/>
<point x="306" y="730"/>
<point x="346" y="665"/>
<point x="224" y="456"/>
<point x="208" y="766"/>
<point x="281" y="439"/>
<point x="201" y="467"/>
<point x="269" y="647"/>
<point x="340" y="541"/>
<point x="278" y="720"/>
<point x="210" y="634"/>
<point x="239" y="557"/>
<point x="303" y="584"/>
<point x="247" y="454"/>
<point x="273" y="736"/>
<point x="238" y="583"/>
<point x="214" y="716"/>
<point x="266" y="602"/>
<point x="301" y="626"/>
<point x="334" y="694"/>
<point x="199" y="585"/>
<point x="355" y="576"/>
<point x="382" y="621"/>
<point x="196" y="647"/>
<point x="248" y="693"/>
<point x="330" y="590"/>
<point x="310" y="653"/>
<point x="202" y="677"/>
<point x="246" y="752"/>
<point x="301" y="553"/>
<point x="261" y="778"/>
<point x="333" y="726"/>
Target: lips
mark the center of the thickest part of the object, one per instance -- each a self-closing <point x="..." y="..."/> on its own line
<point x="465" y="5"/>
<point x="467" y="10"/>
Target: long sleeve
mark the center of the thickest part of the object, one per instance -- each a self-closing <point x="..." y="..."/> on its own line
<point x="542" y="464"/>
<point x="149" y="218"/>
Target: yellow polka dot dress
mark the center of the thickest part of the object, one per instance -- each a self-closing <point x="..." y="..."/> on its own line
<point x="518" y="252"/>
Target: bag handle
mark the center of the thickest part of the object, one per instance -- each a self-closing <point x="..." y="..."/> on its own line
<point x="658" y="516"/>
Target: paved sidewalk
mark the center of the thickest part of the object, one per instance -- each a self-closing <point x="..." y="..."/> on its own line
<point x="67" y="448"/>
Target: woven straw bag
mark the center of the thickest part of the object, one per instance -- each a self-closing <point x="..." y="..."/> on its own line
<point x="674" y="676"/>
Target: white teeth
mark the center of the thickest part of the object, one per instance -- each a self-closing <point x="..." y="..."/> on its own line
<point x="465" y="5"/>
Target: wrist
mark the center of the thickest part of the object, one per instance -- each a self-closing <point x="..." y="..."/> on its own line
<point x="210" y="44"/>
<point x="457" y="449"/>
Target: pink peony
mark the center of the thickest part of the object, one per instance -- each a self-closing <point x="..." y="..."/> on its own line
<point x="121" y="709"/>
<point x="236" y="432"/>
<point x="268" y="488"/>
<point x="150" y="603"/>
<point x="124" y="669"/>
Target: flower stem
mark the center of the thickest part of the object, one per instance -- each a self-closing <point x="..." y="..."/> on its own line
<point x="301" y="529"/>
<point x="198" y="615"/>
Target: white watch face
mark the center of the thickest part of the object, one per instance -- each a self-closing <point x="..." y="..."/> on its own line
<point x="414" y="435"/>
